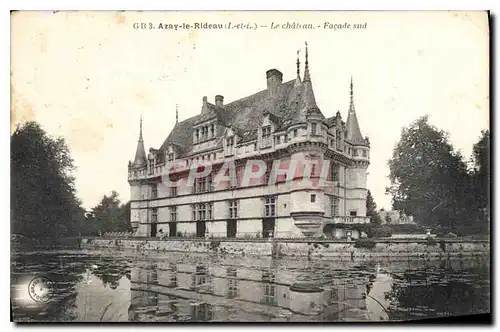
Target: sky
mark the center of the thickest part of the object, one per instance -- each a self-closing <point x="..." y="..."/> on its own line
<point x="89" y="76"/>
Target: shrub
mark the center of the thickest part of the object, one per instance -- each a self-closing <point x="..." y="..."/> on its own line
<point x="431" y="241"/>
<point x="214" y="245"/>
<point x="383" y="231"/>
<point x="406" y="228"/>
<point x="365" y="243"/>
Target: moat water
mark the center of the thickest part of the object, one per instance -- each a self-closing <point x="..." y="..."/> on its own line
<point x="110" y="286"/>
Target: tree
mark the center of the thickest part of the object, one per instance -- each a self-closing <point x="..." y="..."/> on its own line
<point x="428" y="179"/>
<point x="43" y="199"/>
<point x="371" y="209"/>
<point x="481" y="178"/>
<point x="110" y="215"/>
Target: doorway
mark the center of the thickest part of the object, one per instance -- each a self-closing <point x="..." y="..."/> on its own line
<point x="231" y="228"/>
<point x="172" y="229"/>
<point x="154" y="229"/>
<point x="268" y="227"/>
<point x="200" y="229"/>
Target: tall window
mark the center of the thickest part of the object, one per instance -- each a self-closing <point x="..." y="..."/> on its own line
<point x="233" y="209"/>
<point x="154" y="191"/>
<point x="154" y="215"/>
<point x="314" y="129"/>
<point x="270" y="206"/>
<point x="173" y="191"/>
<point x="194" y="209"/>
<point x="313" y="168"/>
<point x="202" y="185"/>
<point x="209" y="207"/>
<point x="295" y="132"/>
<point x="334" y="172"/>
<point x="202" y="211"/>
<point x="334" y="206"/>
<point x="212" y="130"/>
<point x="197" y="135"/>
<point x="171" y="157"/>
<point x="173" y="213"/>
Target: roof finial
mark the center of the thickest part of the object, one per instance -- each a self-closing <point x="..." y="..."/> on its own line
<point x="306" y="72"/>
<point x="176" y="113"/>
<point x="140" y="129"/>
<point x="298" y="64"/>
<point x="351" y="104"/>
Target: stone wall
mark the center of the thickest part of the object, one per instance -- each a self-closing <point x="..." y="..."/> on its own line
<point x="301" y="248"/>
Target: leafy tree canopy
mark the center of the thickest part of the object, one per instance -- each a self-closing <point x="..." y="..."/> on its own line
<point x="43" y="200"/>
<point x="430" y="181"/>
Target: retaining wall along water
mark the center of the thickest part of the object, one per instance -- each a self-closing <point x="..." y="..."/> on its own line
<point x="300" y="247"/>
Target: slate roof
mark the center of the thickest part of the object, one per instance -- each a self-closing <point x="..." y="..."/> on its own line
<point x="288" y="106"/>
<point x="244" y="115"/>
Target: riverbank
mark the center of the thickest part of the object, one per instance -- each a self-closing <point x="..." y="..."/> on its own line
<point x="440" y="248"/>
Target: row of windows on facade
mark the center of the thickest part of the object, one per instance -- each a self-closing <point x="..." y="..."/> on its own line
<point x="205" y="184"/>
<point x="207" y="132"/>
<point x="204" y="211"/>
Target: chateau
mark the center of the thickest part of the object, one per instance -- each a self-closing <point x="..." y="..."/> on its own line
<point x="278" y="126"/>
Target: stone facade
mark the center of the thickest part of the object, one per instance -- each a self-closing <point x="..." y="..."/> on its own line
<point x="312" y="169"/>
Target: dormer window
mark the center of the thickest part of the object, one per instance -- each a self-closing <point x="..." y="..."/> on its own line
<point x="229" y="145"/>
<point x="204" y="133"/>
<point x="171" y="157"/>
<point x="314" y="129"/>
<point x="338" y="139"/>
<point x="151" y="165"/>
<point x="266" y="132"/>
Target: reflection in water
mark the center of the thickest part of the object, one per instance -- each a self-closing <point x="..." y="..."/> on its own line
<point x="101" y="286"/>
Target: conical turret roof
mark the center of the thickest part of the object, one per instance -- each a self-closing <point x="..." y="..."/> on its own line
<point x="352" y="126"/>
<point x="140" y="153"/>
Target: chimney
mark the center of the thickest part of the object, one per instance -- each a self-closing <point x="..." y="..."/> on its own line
<point x="204" y="107"/>
<point x="274" y="79"/>
<point x="219" y="101"/>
